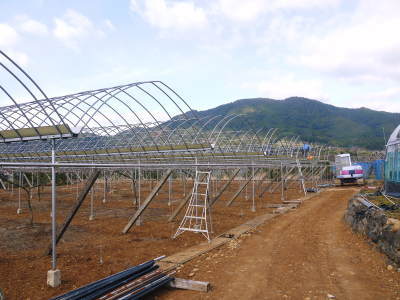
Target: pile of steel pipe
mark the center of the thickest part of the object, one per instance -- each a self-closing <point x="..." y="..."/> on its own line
<point x="132" y="283"/>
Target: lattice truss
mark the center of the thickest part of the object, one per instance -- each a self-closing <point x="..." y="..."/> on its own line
<point x="145" y="121"/>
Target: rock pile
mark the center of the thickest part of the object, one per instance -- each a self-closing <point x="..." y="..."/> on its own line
<point x="372" y="222"/>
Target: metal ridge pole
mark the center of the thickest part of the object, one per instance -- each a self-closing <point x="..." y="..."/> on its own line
<point x="136" y="165"/>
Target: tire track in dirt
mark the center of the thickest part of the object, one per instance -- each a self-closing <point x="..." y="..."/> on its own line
<point x="305" y="254"/>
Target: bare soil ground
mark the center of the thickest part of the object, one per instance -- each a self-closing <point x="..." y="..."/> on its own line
<point x="305" y="254"/>
<point x="91" y="250"/>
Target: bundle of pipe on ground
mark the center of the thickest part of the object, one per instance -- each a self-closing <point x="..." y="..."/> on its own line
<point x="132" y="283"/>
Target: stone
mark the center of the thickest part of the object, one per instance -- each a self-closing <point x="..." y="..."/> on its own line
<point x="395" y="224"/>
<point x="330" y="296"/>
<point x="383" y="232"/>
<point x="54" y="278"/>
<point x="390" y="267"/>
<point x="195" y="270"/>
<point x="191" y="274"/>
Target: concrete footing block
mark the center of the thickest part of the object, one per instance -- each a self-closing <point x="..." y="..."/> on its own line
<point x="54" y="278"/>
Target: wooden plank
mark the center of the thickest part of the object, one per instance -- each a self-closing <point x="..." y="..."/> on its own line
<point x="290" y="205"/>
<point x="242" y="188"/>
<point x="237" y="231"/>
<point x="171" y="262"/>
<point x="192" y="252"/>
<point x="269" y="184"/>
<point x="197" y="250"/>
<point x="225" y="186"/>
<point x="3" y="186"/>
<point x="292" y="201"/>
<point x="27" y="180"/>
<point x="82" y="195"/>
<point x="167" y="266"/>
<point x="180" y="206"/>
<point x="283" y="179"/>
<point x="275" y="205"/>
<point x="261" y="181"/>
<point x="259" y="220"/>
<point x="281" y="210"/>
<point x="193" y="285"/>
<point x="148" y="200"/>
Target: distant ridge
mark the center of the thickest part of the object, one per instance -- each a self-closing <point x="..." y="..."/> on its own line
<point x="312" y="120"/>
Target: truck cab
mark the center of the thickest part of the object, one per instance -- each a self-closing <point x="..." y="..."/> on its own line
<point x="346" y="172"/>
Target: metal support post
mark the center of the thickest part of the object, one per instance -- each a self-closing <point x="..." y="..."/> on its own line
<point x="139" y="219"/>
<point x="53" y="275"/>
<point x="53" y="207"/>
<point x="253" y="207"/>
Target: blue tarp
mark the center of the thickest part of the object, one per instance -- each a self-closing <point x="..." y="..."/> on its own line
<point x="379" y="166"/>
<point x="373" y="169"/>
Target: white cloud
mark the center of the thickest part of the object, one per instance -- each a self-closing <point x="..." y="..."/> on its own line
<point x="282" y="87"/>
<point x="386" y="99"/>
<point x="32" y="26"/>
<point x="176" y="15"/>
<point x="73" y="27"/>
<point x="8" y="35"/>
<point x="239" y="10"/>
<point x="304" y="4"/>
<point x="109" y="24"/>
<point x="366" y="48"/>
<point x="17" y="56"/>
<point x="385" y="94"/>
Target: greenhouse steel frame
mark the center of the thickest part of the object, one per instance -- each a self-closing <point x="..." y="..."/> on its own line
<point x="137" y="127"/>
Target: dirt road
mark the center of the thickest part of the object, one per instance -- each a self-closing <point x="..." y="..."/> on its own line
<point x="305" y="254"/>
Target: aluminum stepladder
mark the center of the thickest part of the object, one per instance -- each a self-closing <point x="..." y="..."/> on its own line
<point x="197" y="216"/>
<point x="302" y="181"/>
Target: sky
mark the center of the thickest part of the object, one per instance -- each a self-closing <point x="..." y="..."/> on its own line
<point x="342" y="52"/>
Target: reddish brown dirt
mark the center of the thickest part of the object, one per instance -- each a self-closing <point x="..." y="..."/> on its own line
<point x="91" y="250"/>
<point x="305" y="254"/>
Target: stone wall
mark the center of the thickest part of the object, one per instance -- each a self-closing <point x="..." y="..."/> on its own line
<point x="372" y="222"/>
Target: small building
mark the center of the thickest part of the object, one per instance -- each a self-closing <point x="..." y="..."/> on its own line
<point x="392" y="164"/>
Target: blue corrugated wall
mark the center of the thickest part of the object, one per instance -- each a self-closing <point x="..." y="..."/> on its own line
<point x="373" y="169"/>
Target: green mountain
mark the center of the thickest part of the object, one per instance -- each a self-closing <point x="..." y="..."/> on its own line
<point x="312" y="120"/>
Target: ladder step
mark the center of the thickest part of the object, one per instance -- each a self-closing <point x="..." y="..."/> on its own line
<point x="192" y="217"/>
<point x="196" y="205"/>
<point x="201" y="182"/>
<point x="191" y="229"/>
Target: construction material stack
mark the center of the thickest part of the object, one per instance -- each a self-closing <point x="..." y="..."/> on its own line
<point x="132" y="283"/>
